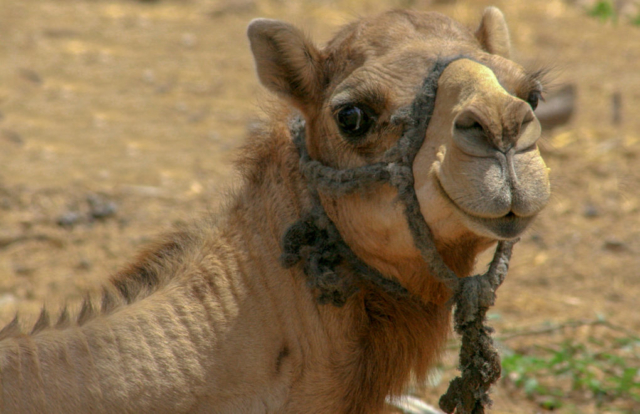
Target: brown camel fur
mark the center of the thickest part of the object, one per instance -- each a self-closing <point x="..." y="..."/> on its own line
<point x="209" y="321"/>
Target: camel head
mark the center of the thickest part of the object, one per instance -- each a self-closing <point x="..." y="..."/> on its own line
<point x="479" y="176"/>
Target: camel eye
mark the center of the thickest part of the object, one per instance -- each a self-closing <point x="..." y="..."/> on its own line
<point x="533" y="99"/>
<point x="355" y="121"/>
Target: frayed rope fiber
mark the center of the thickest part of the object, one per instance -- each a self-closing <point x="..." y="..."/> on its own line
<point x="335" y="271"/>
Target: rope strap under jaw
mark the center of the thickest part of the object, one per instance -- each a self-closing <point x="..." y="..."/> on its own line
<point x="315" y="240"/>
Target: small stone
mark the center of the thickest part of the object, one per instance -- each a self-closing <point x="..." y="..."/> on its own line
<point x="590" y="211"/>
<point x="69" y="219"/>
<point x="615" y="245"/>
<point x="84" y="264"/>
<point x="11" y="136"/>
<point x="538" y="239"/>
<point x="101" y="208"/>
<point x="23" y="270"/>
<point x="30" y="75"/>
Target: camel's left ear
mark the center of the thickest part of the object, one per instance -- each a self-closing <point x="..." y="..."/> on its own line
<point x="286" y="61"/>
<point x="493" y="33"/>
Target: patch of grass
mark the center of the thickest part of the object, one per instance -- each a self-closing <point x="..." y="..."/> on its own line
<point x="606" y="371"/>
<point x="603" y="10"/>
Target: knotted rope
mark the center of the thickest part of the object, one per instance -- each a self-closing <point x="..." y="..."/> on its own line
<point x="316" y="242"/>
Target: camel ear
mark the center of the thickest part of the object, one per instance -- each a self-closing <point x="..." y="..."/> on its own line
<point x="286" y="61"/>
<point x="493" y="33"/>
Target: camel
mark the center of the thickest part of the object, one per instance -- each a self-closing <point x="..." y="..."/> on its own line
<point x="210" y="320"/>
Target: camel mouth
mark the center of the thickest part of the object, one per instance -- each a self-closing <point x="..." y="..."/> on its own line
<point x="506" y="227"/>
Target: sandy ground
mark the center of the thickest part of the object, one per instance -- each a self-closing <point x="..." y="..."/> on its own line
<point x="141" y="106"/>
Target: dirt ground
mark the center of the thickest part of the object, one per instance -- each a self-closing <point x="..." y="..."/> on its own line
<point x="119" y="119"/>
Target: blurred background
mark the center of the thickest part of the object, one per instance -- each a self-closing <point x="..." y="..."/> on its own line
<point x="120" y="119"/>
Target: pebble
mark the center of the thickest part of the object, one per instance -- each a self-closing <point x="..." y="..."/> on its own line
<point x="84" y="264"/>
<point x="100" y="208"/>
<point x="12" y="136"/>
<point x="30" y="75"/>
<point x="69" y="219"/>
<point x="590" y="211"/>
<point x="614" y="245"/>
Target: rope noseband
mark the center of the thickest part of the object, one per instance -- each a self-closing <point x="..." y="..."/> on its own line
<point x="315" y="240"/>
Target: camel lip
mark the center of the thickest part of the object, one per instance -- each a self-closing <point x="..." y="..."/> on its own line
<point x="506" y="227"/>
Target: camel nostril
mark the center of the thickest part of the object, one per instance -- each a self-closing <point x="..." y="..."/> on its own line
<point x="472" y="130"/>
<point x="480" y="131"/>
<point x="528" y="118"/>
<point x="471" y="133"/>
<point x="470" y="120"/>
<point x="528" y="131"/>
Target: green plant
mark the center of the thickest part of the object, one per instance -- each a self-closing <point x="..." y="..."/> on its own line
<point x="607" y="370"/>
<point x="603" y="10"/>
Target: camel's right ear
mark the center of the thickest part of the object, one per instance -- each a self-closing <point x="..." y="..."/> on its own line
<point x="286" y="61"/>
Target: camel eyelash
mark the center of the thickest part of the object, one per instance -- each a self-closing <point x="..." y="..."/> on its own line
<point x="539" y="79"/>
